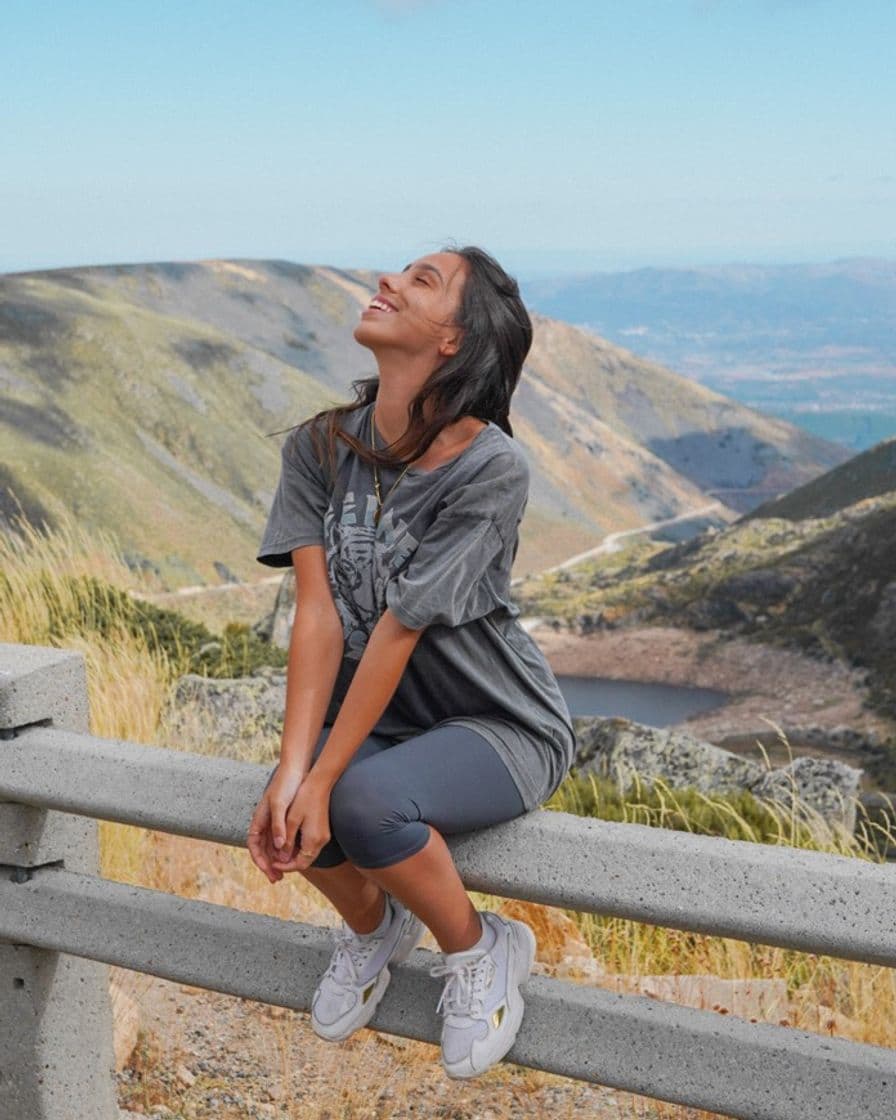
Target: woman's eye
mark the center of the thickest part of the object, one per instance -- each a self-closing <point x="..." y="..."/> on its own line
<point x="420" y="280"/>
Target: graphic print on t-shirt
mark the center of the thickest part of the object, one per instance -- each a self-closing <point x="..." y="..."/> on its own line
<point x="361" y="558"/>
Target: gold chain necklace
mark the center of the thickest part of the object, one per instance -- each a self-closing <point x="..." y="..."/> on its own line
<point x="376" y="478"/>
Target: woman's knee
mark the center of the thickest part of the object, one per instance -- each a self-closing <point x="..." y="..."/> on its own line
<point x="330" y="855"/>
<point x="375" y="826"/>
<point x="357" y="805"/>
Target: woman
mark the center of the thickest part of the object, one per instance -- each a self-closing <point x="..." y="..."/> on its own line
<point x="417" y="705"/>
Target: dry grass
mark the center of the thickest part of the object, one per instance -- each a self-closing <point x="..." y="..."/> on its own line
<point x="127" y="686"/>
<point x="826" y="994"/>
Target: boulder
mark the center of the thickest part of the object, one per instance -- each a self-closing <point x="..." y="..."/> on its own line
<point x="760" y="586"/>
<point x="826" y="785"/>
<point x="276" y="627"/>
<point x="715" y="613"/>
<point x="616" y="748"/>
<point x="238" y="713"/>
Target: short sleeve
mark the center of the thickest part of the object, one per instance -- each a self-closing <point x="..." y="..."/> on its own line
<point x="460" y="570"/>
<point x="300" y="501"/>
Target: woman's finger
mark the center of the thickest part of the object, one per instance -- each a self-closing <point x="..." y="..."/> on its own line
<point x="292" y="831"/>
<point x="255" y="835"/>
<point x="272" y="854"/>
<point x="307" y="849"/>
<point x="258" y="841"/>
<point x="295" y="862"/>
<point x="278" y="823"/>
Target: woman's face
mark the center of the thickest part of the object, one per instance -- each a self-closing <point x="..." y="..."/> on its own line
<point x="414" y="310"/>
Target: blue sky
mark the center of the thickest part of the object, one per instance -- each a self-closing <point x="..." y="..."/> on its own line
<point x="361" y="133"/>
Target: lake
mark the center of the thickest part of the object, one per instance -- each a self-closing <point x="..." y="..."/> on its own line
<point x="655" y="704"/>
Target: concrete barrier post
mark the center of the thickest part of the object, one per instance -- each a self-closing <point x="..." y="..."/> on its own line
<point x="56" y="1047"/>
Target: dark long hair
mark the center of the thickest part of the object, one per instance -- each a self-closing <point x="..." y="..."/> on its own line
<point x="478" y="380"/>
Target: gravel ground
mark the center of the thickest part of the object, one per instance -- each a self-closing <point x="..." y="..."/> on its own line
<point x="203" y="1054"/>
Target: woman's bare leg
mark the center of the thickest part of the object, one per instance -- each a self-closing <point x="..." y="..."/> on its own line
<point x="357" y="899"/>
<point x="427" y="883"/>
<point x="417" y="779"/>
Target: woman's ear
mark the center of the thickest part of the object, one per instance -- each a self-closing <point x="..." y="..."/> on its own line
<point x="449" y="346"/>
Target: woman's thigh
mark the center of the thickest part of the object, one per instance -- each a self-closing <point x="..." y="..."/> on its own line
<point x="454" y="776"/>
<point x="450" y="777"/>
<point x="372" y="745"/>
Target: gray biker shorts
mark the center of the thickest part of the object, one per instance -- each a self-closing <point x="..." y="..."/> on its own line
<point x="384" y="801"/>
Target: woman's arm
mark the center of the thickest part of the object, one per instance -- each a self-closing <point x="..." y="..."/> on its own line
<point x="382" y="664"/>
<point x="315" y="654"/>
<point x="375" y="680"/>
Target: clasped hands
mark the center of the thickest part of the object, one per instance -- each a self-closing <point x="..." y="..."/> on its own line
<point x="293" y="803"/>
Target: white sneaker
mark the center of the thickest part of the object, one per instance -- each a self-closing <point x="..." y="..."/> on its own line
<point x="483" y="1007"/>
<point x="358" y="974"/>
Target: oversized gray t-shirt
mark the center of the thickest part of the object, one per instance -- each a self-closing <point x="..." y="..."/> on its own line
<point x="439" y="559"/>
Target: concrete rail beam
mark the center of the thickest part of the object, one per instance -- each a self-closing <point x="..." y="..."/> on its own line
<point x="754" y="1071"/>
<point x="764" y="893"/>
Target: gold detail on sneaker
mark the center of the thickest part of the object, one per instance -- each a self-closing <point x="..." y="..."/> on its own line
<point x="368" y="992"/>
<point x="498" y="1016"/>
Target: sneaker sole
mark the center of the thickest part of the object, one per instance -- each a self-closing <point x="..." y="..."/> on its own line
<point x="523" y="959"/>
<point x="344" y="1028"/>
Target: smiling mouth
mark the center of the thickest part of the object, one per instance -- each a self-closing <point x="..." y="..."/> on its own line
<point x="377" y="304"/>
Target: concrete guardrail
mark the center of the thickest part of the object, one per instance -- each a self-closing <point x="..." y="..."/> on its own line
<point x="62" y="925"/>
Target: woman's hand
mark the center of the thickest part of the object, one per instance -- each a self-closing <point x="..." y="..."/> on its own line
<point x="308" y="816"/>
<point x="291" y="801"/>
<point x="276" y="798"/>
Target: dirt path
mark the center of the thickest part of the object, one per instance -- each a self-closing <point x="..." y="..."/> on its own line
<point x="610" y="543"/>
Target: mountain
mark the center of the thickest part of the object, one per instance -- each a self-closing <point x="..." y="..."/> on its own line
<point x="864" y="476"/>
<point x="147" y="399"/>
<point x="811" y="343"/>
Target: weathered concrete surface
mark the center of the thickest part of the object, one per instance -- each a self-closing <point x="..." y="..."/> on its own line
<point x="55" y="1013"/>
<point x="722" y="1063"/>
<point x="768" y="893"/>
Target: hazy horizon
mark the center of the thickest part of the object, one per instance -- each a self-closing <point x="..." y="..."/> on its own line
<point x="554" y="264"/>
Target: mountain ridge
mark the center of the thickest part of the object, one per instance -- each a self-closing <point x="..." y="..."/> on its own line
<point x="144" y="398"/>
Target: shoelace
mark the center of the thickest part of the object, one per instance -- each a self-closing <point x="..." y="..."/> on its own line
<point x="468" y="977"/>
<point x="351" y="955"/>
